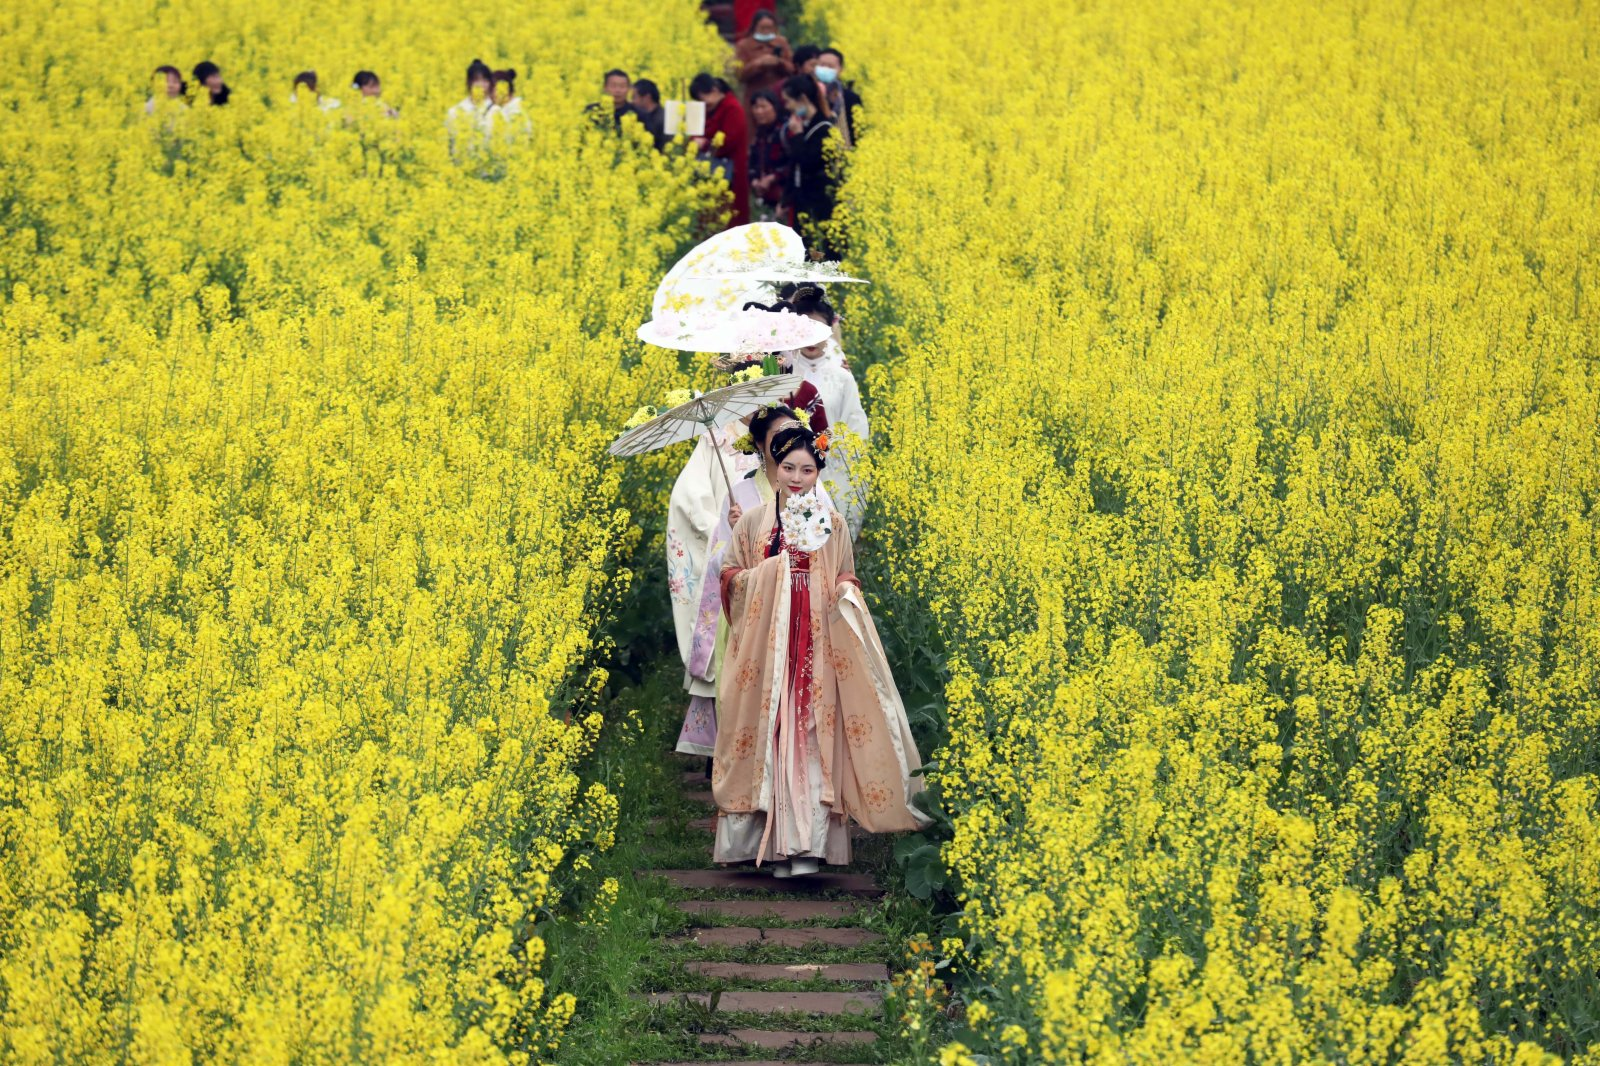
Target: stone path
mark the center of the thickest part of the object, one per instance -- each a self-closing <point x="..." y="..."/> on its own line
<point x="770" y="970"/>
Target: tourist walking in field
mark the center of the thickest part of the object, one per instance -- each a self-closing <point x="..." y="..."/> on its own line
<point x="806" y="135"/>
<point x="167" y="86"/>
<point x="769" y="162"/>
<point x="209" y="77"/>
<point x="763" y="57"/>
<point x="646" y="103"/>
<point x="840" y="102"/>
<point x="617" y="85"/>
<point x="304" y="91"/>
<point x="811" y="730"/>
<point x="471" y="114"/>
<point x="506" y="116"/>
<point x="731" y="152"/>
<point x="370" y="86"/>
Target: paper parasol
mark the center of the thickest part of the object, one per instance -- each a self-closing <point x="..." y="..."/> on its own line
<point x="694" y="286"/>
<point x="707" y="411"/>
<point x="772" y="272"/>
<point x="738" y="332"/>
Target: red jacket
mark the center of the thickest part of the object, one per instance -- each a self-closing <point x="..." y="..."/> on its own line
<point x="727" y="118"/>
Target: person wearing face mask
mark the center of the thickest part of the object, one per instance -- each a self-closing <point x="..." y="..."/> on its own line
<point x="822" y="366"/>
<point x="840" y="101"/>
<point x="811" y="732"/>
<point x="806" y="135"/>
<point x="763" y="56"/>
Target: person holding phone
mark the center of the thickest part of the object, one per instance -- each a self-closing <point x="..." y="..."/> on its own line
<point x="763" y="56"/>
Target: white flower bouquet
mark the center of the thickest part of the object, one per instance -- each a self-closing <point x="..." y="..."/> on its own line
<point x="807" y="524"/>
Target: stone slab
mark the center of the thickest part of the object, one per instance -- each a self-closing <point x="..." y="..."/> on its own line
<point x="785" y="910"/>
<point x="741" y="936"/>
<point x="862" y="972"/>
<point x="779" y="1040"/>
<point x="753" y="880"/>
<point x="757" y="1002"/>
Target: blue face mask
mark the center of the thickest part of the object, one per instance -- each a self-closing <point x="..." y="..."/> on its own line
<point x="827" y="75"/>
<point x="765" y="37"/>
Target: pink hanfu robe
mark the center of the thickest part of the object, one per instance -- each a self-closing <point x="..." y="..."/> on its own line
<point x="811" y="728"/>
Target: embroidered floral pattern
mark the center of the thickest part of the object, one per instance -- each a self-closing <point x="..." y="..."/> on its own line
<point x="877" y="795"/>
<point x="680" y="569"/>
<point x="747" y="675"/>
<point x="744" y="742"/>
<point x="840" y="660"/>
<point x="858" y="729"/>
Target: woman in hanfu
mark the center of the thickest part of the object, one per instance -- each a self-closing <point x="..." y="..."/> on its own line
<point x="700" y="520"/>
<point x="822" y="365"/>
<point x="812" y="732"/>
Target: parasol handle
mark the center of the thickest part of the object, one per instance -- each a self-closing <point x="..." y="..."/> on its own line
<point x="716" y="449"/>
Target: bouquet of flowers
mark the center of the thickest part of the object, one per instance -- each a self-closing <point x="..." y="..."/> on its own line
<point x="807" y="524"/>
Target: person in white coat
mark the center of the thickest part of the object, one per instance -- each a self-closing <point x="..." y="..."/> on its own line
<point x="506" y="117"/>
<point x="467" y="119"/>
<point x="823" y="366"/>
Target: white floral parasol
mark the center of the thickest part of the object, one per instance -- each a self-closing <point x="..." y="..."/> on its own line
<point x="694" y="285"/>
<point x="738" y="332"/>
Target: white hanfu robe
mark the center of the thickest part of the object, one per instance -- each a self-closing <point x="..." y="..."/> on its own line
<point x="698" y="506"/>
<point x="841" y="398"/>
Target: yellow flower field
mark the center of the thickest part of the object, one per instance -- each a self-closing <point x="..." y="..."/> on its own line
<point x="1240" y="454"/>
<point x="303" y="537"/>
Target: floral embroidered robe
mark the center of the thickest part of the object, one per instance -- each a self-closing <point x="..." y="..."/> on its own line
<point x="811" y="727"/>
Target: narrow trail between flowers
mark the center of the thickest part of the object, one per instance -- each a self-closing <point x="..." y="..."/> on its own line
<point x="795" y="969"/>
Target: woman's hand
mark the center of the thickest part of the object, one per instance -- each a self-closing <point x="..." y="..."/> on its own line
<point x="797" y="125"/>
<point x="844" y="579"/>
<point x="735" y="512"/>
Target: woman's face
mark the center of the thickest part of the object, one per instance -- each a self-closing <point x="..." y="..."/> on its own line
<point x="174" y="84"/>
<point x="372" y="88"/>
<point x="814" y="351"/>
<point x="766" y="24"/>
<point x="214" y="81"/>
<point x="478" y="89"/>
<point x="763" y="112"/>
<point x="502" y="92"/>
<point x="796" y="105"/>
<point x="798" y="472"/>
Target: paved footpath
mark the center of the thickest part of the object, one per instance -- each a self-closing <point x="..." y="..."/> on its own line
<point x="768" y="970"/>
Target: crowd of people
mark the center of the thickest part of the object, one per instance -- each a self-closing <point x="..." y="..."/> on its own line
<point x="169" y="85"/>
<point x="770" y="136"/>
<point x="774" y="130"/>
